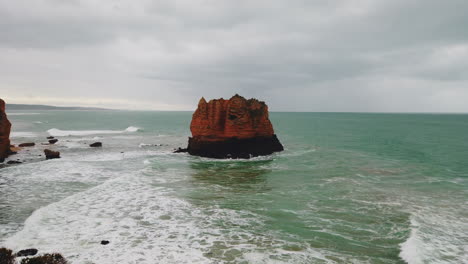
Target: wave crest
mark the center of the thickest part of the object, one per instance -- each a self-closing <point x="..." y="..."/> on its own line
<point x="63" y="133"/>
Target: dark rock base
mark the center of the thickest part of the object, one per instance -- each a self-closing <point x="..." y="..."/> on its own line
<point x="234" y="148"/>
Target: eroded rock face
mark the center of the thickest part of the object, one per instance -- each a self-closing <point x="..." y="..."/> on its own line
<point x="237" y="117"/>
<point x="5" y="127"/>
<point x="234" y="128"/>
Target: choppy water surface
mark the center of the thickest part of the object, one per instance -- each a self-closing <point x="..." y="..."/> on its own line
<point x="350" y="188"/>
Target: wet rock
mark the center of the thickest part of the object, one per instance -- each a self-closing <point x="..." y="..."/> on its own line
<point x="180" y="150"/>
<point x="96" y="145"/>
<point x="6" y="256"/>
<point x="50" y="154"/>
<point x="26" y="252"/>
<point x="105" y="242"/>
<point x="45" y="259"/>
<point x="29" y="144"/>
<point x="50" y="137"/>
<point x="5" y="127"/>
<point x="14" y="162"/>
<point x="53" y="141"/>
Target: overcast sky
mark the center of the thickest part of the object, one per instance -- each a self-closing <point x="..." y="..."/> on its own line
<point x="304" y="55"/>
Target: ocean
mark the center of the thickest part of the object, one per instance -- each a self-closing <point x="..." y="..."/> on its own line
<point x="349" y="188"/>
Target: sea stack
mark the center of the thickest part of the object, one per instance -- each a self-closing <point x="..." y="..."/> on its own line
<point x="5" y="127"/>
<point x="234" y="128"/>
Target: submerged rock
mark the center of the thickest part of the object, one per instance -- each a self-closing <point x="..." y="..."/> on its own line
<point x="53" y="141"/>
<point x="5" y="128"/>
<point x="7" y="257"/>
<point x="181" y="150"/>
<point x="96" y="145"/>
<point x="45" y="259"/>
<point x="14" y="162"/>
<point x="50" y="154"/>
<point x="29" y="144"/>
<point x="234" y="128"/>
<point x="26" y="252"/>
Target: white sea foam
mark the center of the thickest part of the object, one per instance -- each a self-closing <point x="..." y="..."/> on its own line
<point x="436" y="237"/>
<point x="133" y="129"/>
<point x="410" y="249"/>
<point x="17" y="134"/>
<point x="63" y="133"/>
<point x="143" y="145"/>
<point x="143" y="223"/>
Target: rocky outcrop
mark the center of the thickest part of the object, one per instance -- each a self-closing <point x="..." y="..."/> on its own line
<point x="7" y="257"/>
<point x="50" y="154"/>
<point x="234" y="128"/>
<point x="27" y="252"/>
<point x="5" y="127"/>
<point x="28" y="144"/>
<point x="96" y="145"/>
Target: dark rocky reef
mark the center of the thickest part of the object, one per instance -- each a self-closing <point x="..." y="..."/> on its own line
<point x="27" y="252"/>
<point x="96" y="145"/>
<point x="54" y="258"/>
<point x="234" y="128"/>
<point x="28" y="144"/>
<point x="5" y="128"/>
<point x="7" y="257"/>
<point x="50" y="154"/>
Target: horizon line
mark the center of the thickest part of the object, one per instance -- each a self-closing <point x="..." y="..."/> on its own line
<point x="95" y="108"/>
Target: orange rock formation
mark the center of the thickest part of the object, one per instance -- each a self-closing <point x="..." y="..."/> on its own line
<point x="237" y="117"/>
<point x="5" y="127"/>
<point x="234" y="128"/>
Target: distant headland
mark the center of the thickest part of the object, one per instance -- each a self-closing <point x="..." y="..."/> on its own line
<point x="49" y="107"/>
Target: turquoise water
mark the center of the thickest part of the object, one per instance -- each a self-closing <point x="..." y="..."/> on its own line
<point x="349" y="188"/>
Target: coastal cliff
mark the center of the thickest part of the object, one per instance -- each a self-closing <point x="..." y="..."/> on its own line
<point x="5" y="127"/>
<point x="234" y="128"/>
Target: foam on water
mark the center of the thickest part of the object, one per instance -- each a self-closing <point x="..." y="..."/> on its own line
<point x="436" y="237"/>
<point x="63" y="133"/>
<point x="18" y="134"/>
<point x="143" y="223"/>
<point x="133" y="129"/>
<point x="410" y="249"/>
<point x="114" y="156"/>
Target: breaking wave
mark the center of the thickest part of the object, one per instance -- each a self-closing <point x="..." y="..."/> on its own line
<point x="63" y="133"/>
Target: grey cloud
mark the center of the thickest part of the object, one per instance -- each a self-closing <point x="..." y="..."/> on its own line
<point x="298" y="55"/>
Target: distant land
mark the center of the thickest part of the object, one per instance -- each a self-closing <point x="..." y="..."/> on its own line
<point x="48" y="107"/>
